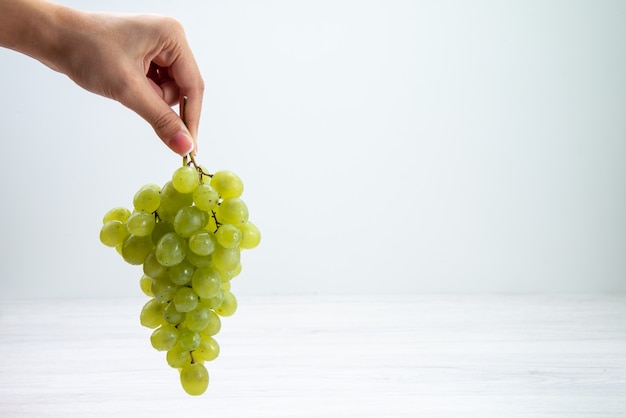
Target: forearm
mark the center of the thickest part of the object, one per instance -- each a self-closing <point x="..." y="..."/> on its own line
<point x="34" y="28"/>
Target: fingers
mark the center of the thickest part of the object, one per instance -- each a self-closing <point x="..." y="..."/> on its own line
<point x="170" y="77"/>
<point x="184" y="73"/>
<point x="150" y="102"/>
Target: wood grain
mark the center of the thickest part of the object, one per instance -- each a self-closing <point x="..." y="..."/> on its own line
<point x="327" y="356"/>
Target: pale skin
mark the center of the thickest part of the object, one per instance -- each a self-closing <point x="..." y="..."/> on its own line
<point x="142" y="61"/>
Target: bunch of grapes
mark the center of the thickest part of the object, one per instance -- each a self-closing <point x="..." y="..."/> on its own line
<point x="188" y="236"/>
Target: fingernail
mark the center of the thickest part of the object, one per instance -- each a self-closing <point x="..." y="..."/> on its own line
<point x="181" y="144"/>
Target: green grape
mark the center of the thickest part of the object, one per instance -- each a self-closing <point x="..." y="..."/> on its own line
<point x="188" y="220"/>
<point x="181" y="273"/>
<point x="199" y="260"/>
<point x="164" y="338"/>
<point x="232" y="211"/>
<point x="194" y="379"/>
<point x="171" y="315"/>
<point x="228" y="236"/>
<point x="214" y="326"/>
<point x="163" y="289"/>
<point x="214" y="301"/>
<point x="153" y="269"/>
<point x="205" y="197"/>
<point x="206" y="281"/>
<point x="113" y="233"/>
<point x="228" y="306"/>
<point x="171" y="201"/>
<point x="188" y="339"/>
<point x="227" y="184"/>
<point x="147" y="199"/>
<point x="202" y="242"/>
<point x="145" y="284"/>
<point x="116" y="214"/>
<point x="135" y="249"/>
<point x="140" y="223"/>
<point x="185" y="179"/>
<point x="197" y="319"/>
<point x="229" y="274"/>
<point x="185" y="299"/>
<point x="161" y="228"/>
<point x="251" y="236"/>
<point x="171" y="249"/>
<point x="178" y="356"/>
<point x="208" y="349"/>
<point x="226" y="259"/>
<point x="225" y="285"/>
<point x="151" y="315"/>
<point x="152" y="186"/>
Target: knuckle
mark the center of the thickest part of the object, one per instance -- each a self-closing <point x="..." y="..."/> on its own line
<point x="165" y="124"/>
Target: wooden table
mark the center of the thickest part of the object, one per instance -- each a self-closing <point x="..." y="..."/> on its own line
<point x="482" y="356"/>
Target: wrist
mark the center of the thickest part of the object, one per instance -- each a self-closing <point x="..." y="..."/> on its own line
<point x="36" y="28"/>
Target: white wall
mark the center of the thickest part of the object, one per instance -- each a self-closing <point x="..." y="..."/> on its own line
<point x="386" y="146"/>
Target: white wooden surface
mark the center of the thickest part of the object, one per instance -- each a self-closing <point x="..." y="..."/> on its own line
<point x="315" y="356"/>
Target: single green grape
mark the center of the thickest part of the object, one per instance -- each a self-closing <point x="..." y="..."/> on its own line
<point x="214" y="326"/>
<point x="188" y="339"/>
<point x="206" y="281"/>
<point x="214" y="301"/>
<point x="178" y="357"/>
<point x="113" y="233"/>
<point x="140" y="223"/>
<point x="228" y="306"/>
<point x="197" y="319"/>
<point x="232" y="211"/>
<point x="181" y="273"/>
<point x="226" y="259"/>
<point x="164" y="338"/>
<point x="229" y="274"/>
<point x="185" y="299"/>
<point x="147" y="199"/>
<point x="153" y="269"/>
<point x="161" y="228"/>
<point x="228" y="236"/>
<point x="116" y="214"/>
<point x="151" y="315"/>
<point x="199" y="260"/>
<point x="145" y="284"/>
<point x="171" y="201"/>
<point x="188" y="220"/>
<point x="163" y="289"/>
<point x="185" y="179"/>
<point x="251" y="236"/>
<point x="171" y="249"/>
<point x="171" y="315"/>
<point x="202" y="242"/>
<point x="194" y="379"/>
<point x="227" y="184"/>
<point x="205" y="197"/>
<point x="208" y="349"/>
<point x="135" y="249"/>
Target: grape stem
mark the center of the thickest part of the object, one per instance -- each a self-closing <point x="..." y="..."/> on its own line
<point x="189" y="159"/>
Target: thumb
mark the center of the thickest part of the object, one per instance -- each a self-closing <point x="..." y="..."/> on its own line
<point x="171" y="129"/>
<point x="166" y="123"/>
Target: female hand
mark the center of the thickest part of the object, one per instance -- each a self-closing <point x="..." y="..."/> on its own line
<point x="142" y="61"/>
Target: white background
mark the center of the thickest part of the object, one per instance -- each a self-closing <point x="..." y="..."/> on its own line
<point x="386" y="147"/>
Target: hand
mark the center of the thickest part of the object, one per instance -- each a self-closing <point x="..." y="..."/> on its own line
<point x="142" y="61"/>
<point x="145" y="63"/>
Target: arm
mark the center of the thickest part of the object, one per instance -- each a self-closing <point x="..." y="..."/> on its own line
<point x="142" y="61"/>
